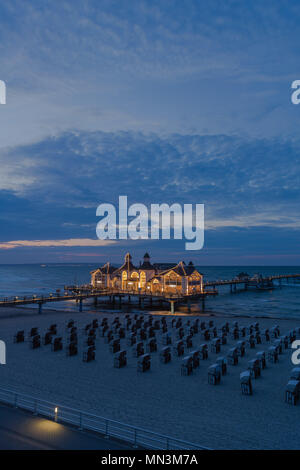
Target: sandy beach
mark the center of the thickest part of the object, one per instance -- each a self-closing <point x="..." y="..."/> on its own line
<point x="161" y="400"/>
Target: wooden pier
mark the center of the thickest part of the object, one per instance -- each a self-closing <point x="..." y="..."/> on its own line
<point x="112" y="297"/>
<point x="260" y="283"/>
<point x="146" y="300"/>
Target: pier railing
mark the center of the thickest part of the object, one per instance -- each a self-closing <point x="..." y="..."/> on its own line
<point x="137" y="437"/>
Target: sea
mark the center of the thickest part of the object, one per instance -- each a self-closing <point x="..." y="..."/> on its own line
<point x="280" y="302"/>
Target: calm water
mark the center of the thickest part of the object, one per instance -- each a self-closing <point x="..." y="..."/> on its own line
<point x="36" y="279"/>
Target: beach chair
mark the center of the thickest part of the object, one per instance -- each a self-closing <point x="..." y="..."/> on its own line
<point x="240" y="345"/>
<point x="56" y="344"/>
<point x="187" y="365"/>
<point x="285" y="341"/>
<point x="121" y="333"/>
<point x="72" y="349"/>
<point x="53" y="329"/>
<point x="214" y="374"/>
<point x="221" y="361"/>
<point x="250" y="341"/>
<point x="151" y="345"/>
<point x="261" y="356"/>
<point x="108" y="336"/>
<point x="144" y="363"/>
<point x="90" y="341"/>
<point x="70" y="323"/>
<point x="138" y="349"/>
<point x="47" y="338"/>
<point x="166" y="339"/>
<point x="205" y="335"/>
<point x="215" y="346"/>
<point x="242" y="332"/>
<point x="35" y="342"/>
<point x="142" y="335"/>
<point x="292" y="336"/>
<point x="196" y="358"/>
<point x="33" y="332"/>
<point x="224" y="338"/>
<point x="114" y="346"/>
<point x="180" y="333"/>
<point x="213" y="332"/>
<point x="234" y="334"/>
<point x="72" y="338"/>
<point x="257" y="338"/>
<point x="19" y="337"/>
<point x="188" y="342"/>
<point x="131" y="339"/>
<point x="120" y="359"/>
<point x="266" y="334"/>
<point x="278" y="345"/>
<point x="165" y="355"/>
<point x="232" y="356"/>
<point x="295" y="374"/>
<point x="203" y="351"/>
<point x="151" y="332"/>
<point x="254" y="368"/>
<point x="89" y="355"/>
<point x="103" y="329"/>
<point x="273" y="333"/>
<point x="273" y="354"/>
<point x="292" y="392"/>
<point x="246" y="384"/>
<point x="179" y="348"/>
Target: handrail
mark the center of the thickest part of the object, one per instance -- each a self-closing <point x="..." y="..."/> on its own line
<point x="134" y="435"/>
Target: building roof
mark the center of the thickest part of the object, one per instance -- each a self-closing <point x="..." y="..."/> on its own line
<point x="181" y="269"/>
<point x="107" y="268"/>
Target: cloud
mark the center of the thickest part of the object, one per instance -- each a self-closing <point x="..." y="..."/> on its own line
<point x="85" y="242"/>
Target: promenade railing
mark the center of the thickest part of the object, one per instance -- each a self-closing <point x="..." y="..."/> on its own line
<point x="135" y="436"/>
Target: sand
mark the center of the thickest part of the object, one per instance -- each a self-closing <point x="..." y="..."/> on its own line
<point x="161" y="400"/>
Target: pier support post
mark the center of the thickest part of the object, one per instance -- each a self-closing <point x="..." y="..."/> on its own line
<point x="203" y="304"/>
<point x="40" y="308"/>
<point x="95" y="301"/>
<point x="231" y="288"/>
<point x="172" y="302"/>
<point x="120" y="300"/>
<point x="189" y="305"/>
<point x="80" y="305"/>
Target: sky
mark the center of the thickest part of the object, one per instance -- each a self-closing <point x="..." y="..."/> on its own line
<point x="165" y="102"/>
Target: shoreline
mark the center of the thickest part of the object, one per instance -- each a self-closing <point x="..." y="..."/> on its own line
<point x="21" y="312"/>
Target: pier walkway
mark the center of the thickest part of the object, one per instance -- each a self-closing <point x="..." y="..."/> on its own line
<point x="146" y="299"/>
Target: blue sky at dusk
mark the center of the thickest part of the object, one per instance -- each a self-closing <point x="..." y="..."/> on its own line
<point x="173" y="101"/>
